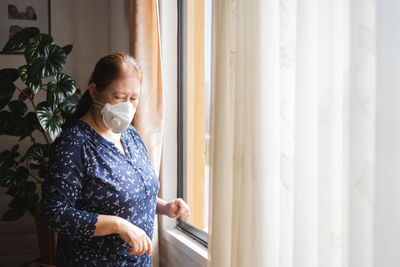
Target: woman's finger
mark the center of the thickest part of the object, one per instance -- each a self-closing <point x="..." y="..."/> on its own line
<point x="145" y="247"/>
<point x="184" y="210"/>
<point x="140" y="252"/>
<point x="130" y="251"/>
<point x="135" y="247"/>
<point x="184" y="214"/>
<point x="180" y="204"/>
<point x="140" y="247"/>
<point x="150" y="247"/>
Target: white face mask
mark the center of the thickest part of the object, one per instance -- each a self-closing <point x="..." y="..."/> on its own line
<point x="117" y="116"/>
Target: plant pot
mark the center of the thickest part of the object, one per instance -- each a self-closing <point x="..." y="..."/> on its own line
<point x="47" y="241"/>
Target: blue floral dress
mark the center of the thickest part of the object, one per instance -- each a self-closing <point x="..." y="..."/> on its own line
<point x="88" y="176"/>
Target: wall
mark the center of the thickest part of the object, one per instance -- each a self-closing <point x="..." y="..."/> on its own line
<point x="387" y="182"/>
<point x="95" y="28"/>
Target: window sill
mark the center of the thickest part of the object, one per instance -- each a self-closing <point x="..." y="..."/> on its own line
<point x="180" y="249"/>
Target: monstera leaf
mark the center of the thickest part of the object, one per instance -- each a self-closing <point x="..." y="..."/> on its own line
<point x="36" y="154"/>
<point x="19" y="204"/>
<point x="9" y="74"/>
<point x="67" y="49"/>
<point x="50" y="64"/>
<point x="62" y="87"/>
<point x="7" y="87"/>
<point x="5" y="117"/>
<point x="28" y="201"/>
<point x="11" y="178"/>
<point x="24" y="189"/>
<point x="11" y="124"/>
<point x="44" y="59"/>
<point x="34" y="85"/>
<point x="21" y="39"/>
<point x="36" y="48"/>
<point x="18" y="108"/>
<point x="70" y="104"/>
<point x="49" y="120"/>
<point x="7" y="158"/>
<point x="32" y="121"/>
<point x="7" y="178"/>
<point x="13" y="214"/>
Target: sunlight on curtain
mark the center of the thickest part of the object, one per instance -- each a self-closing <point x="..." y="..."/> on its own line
<point x="293" y="106"/>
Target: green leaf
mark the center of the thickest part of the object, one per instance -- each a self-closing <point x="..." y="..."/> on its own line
<point x="21" y="39"/>
<point x="5" y="154"/>
<point x="7" y="78"/>
<point x="11" y="178"/>
<point x="9" y="74"/>
<point x="35" y="49"/>
<point x="5" y="119"/>
<point x="14" y="148"/>
<point x="50" y="64"/>
<point x="4" y="102"/>
<point x="13" y="214"/>
<point x="62" y="87"/>
<point x="36" y="154"/>
<point x="67" y="49"/>
<point x="7" y="89"/>
<point x="43" y="170"/>
<point x="49" y="120"/>
<point x="16" y="126"/>
<point x="7" y="178"/>
<point x="18" y="108"/>
<point x="43" y="104"/>
<point x="70" y="104"/>
<point x="32" y="121"/>
<point x="34" y="85"/>
<point x="25" y="189"/>
<point x="7" y="158"/>
<point x="27" y="202"/>
<point x="22" y="173"/>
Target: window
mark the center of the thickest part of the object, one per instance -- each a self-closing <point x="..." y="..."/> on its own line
<point x="194" y="76"/>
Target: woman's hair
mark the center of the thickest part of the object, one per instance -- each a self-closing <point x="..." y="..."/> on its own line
<point x="108" y="69"/>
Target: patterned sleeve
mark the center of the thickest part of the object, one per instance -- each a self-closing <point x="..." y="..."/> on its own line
<point x="62" y="189"/>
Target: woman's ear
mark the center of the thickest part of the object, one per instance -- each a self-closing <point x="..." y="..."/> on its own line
<point x="92" y="90"/>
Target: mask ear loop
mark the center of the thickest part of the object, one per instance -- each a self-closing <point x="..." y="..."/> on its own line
<point x="97" y="104"/>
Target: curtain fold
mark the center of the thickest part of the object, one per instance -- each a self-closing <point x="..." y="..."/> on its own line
<point x="292" y="133"/>
<point x="144" y="46"/>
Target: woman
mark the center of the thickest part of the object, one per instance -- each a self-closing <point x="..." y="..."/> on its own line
<point x="101" y="191"/>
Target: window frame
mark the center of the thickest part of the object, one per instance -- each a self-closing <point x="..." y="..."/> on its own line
<point x="196" y="233"/>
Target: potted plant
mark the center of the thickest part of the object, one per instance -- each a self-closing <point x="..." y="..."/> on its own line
<point x="26" y="117"/>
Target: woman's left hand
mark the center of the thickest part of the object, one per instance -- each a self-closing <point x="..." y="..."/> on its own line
<point x="177" y="208"/>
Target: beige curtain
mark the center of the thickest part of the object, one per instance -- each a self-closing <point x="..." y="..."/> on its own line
<point x="144" y="45"/>
<point x="293" y="136"/>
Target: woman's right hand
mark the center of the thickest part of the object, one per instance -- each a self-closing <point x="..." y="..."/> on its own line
<point x="135" y="237"/>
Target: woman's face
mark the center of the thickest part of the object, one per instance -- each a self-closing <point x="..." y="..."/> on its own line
<point x="123" y="90"/>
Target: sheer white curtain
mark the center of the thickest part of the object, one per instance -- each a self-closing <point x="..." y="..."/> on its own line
<point x="293" y="133"/>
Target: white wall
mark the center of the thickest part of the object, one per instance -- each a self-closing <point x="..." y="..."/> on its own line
<point x="95" y="28"/>
<point x="387" y="182"/>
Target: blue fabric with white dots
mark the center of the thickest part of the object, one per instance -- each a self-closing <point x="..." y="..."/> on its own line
<point x="88" y="176"/>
